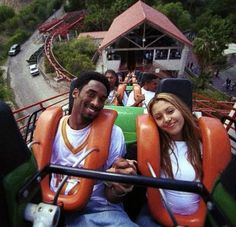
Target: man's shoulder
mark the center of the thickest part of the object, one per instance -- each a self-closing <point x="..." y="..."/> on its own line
<point x="116" y="129"/>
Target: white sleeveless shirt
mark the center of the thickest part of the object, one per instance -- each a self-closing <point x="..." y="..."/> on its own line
<point x="184" y="203"/>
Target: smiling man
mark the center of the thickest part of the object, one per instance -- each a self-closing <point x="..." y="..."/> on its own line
<point x="104" y="207"/>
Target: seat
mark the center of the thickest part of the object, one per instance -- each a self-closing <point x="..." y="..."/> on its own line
<point x="44" y="134"/>
<point x="224" y="193"/>
<point x="16" y="167"/>
<point x="216" y="155"/>
<point x="179" y="87"/>
<point x="126" y="120"/>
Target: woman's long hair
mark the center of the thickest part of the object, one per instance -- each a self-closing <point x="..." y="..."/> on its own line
<point x="190" y="134"/>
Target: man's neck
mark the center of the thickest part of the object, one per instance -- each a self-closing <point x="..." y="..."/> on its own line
<point x="77" y="124"/>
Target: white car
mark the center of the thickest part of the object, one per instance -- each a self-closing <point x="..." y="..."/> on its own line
<point x="34" y="70"/>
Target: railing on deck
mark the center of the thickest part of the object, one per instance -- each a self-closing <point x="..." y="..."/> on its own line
<point x="27" y="116"/>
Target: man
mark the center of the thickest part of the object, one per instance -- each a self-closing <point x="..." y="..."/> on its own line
<point x="104" y="207"/>
<point x="149" y="86"/>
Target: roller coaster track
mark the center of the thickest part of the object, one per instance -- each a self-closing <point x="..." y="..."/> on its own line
<point x="60" y="28"/>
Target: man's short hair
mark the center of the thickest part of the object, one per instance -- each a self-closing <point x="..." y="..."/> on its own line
<point x="85" y="77"/>
<point x="148" y="77"/>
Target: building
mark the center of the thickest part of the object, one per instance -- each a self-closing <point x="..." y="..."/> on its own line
<point x="144" y="39"/>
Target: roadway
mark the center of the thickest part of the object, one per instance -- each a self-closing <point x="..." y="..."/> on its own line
<point x="28" y="89"/>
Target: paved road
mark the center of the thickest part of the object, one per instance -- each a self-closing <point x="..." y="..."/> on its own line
<point x="28" y="89"/>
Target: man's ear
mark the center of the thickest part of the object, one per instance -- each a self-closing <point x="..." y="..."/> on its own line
<point x="75" y="92"/>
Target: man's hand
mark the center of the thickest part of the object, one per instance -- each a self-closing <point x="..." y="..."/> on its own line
<point x="139" y="98"/>
<point x="117" y="190"/>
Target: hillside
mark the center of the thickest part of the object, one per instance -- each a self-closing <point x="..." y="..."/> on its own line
<point x="16" y="4"/>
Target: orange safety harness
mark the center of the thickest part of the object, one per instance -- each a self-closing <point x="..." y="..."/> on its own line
<point x="44" y="134"/>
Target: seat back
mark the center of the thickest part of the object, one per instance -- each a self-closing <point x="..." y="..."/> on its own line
<point x="45" y="131"/>
<point x="16" y="167"/>
<point x="216" y="155"/>
<point x="180" y="87"/>
<point x="126" y="120"/>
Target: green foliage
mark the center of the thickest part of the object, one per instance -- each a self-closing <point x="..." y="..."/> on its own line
<point x="18" y="27"/>
<point x="209" y="45"/>
<point x="48" y="67"/>
<point x="19" y="37"/>
<point x="75" y="56"/>
<point x="119" y="6"/>
<point x="6" y="13"/>
<point x="176" y="13"/>
<point x="4" y="91"/>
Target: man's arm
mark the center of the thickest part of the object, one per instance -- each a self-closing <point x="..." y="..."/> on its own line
<point x="117" y="164"/>
<point x="132" y="102"/>
<point x="116" y="191"/>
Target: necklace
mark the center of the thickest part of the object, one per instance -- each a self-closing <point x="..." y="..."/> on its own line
<point x="74" y="150"/>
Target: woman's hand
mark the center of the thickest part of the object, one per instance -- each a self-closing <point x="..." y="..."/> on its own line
<point x="115" y="191"/>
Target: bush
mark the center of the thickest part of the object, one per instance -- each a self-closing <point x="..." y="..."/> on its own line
<point x="6" y="13"/>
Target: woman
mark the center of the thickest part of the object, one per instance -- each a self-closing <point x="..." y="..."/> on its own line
<point x="115" y="98"/>
<point x="180" y="151"/>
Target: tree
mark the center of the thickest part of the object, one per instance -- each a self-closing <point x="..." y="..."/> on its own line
<point x="6" y="13"/>
<point x="176" y="13"/>
<point x="76" y="56"/>
<point x="209" y="45"/>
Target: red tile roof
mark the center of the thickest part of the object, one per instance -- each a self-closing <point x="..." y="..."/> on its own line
<point x="138" y="14"/>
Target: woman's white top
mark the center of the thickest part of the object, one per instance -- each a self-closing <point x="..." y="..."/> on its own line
<point x="184" y="203"/>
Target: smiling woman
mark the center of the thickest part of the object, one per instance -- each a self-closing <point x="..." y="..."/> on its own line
<point x="180" y="153"/>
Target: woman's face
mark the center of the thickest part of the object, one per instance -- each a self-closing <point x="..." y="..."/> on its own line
<point x="169" y="119"/>
<point x="112" y="80"/>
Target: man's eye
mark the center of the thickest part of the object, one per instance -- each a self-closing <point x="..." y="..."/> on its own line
<point x="91" y="94"/>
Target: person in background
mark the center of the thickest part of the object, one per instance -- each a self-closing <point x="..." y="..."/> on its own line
<point x="180" y="152"/>
<point x="149" y="86"/>
<point x="114" y="97"/>
<point x="104" y="207"/>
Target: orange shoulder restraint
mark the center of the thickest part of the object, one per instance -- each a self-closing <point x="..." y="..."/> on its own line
<point x="216" y="155"/>
<point x="44" y="134"/>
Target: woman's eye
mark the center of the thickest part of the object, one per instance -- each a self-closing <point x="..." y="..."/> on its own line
<point x="158" y="117"/>
<point x="170" y="111"/>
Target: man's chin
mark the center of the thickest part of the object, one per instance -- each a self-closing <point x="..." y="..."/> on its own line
<point x="90" y="117"/>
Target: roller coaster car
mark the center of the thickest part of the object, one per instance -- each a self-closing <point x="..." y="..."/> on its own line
<point x="18" y="182"/>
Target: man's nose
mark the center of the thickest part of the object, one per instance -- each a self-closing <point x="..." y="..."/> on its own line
<point x="96" y="101"/>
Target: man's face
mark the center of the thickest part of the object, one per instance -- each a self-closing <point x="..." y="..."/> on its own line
<point x="152" y="85"/>
<point x="89" y="101"/>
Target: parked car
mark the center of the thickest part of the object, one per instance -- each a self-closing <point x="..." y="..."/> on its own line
<point x="14" y="50"/>
<point x="34" y="70"/>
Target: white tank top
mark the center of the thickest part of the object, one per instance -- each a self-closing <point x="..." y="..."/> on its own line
<point x="184" y="203"/>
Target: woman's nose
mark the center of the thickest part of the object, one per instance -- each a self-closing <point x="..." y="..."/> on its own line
<point x="166" y="118"/>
